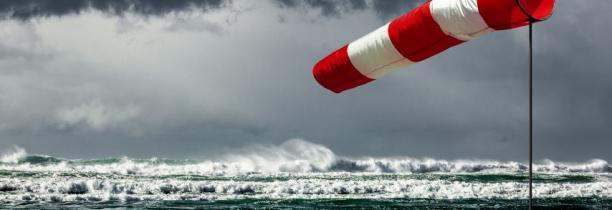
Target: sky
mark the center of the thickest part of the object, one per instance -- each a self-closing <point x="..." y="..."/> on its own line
<point x="194" y="79"/>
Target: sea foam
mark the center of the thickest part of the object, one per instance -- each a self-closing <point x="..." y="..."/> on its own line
<point x="296" y="169"/>
<point x="105" y="189"/>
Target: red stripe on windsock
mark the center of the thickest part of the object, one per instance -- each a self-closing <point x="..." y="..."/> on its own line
<point x="336" y="72"/>
<point x="417" y="36"/>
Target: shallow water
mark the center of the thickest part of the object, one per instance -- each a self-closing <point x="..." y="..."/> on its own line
<point x="297" y="174"/>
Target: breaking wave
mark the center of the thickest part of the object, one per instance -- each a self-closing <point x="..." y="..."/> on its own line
<point x="295" y="171"/>
<point x="293" y="156"/>
<point x="13" y="155"/>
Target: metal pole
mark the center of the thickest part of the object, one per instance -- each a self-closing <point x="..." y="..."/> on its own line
<point x="530" y="113"/>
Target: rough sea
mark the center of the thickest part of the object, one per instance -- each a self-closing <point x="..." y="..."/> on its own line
<point x="297" y="174"/>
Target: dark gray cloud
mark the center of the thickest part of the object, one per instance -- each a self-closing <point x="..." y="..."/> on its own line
<point x="391" y="8"/>
<point x="27" y="9"/>
<point x="385" y="9"/>
<point x="327" y="7"/>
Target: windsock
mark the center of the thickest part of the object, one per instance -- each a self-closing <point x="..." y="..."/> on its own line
<point x="421" y="33"/>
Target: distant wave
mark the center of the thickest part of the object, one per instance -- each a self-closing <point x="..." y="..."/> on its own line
<point x="293" y="156"/>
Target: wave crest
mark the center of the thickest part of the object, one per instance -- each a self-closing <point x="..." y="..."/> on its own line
<point x="293" y="156"/>
<point x="13" y="155"/>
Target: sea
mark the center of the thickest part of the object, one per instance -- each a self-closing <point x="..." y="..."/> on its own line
<point x="297" y="175"/>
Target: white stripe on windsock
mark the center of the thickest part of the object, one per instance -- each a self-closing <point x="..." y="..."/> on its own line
<point x="374" y="55"/>
<point x="459" y="18"/>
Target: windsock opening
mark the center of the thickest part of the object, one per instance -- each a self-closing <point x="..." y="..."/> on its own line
<point x="537" y="9"/>
<point x="508" y="14"/>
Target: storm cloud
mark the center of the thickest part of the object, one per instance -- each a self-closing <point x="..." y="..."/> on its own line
<point x="27" y="9"/>
<point x="89" y="84"/>
<point x="333" y="8"/>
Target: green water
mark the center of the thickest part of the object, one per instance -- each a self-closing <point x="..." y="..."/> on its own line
<point x="574" y="203"/>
